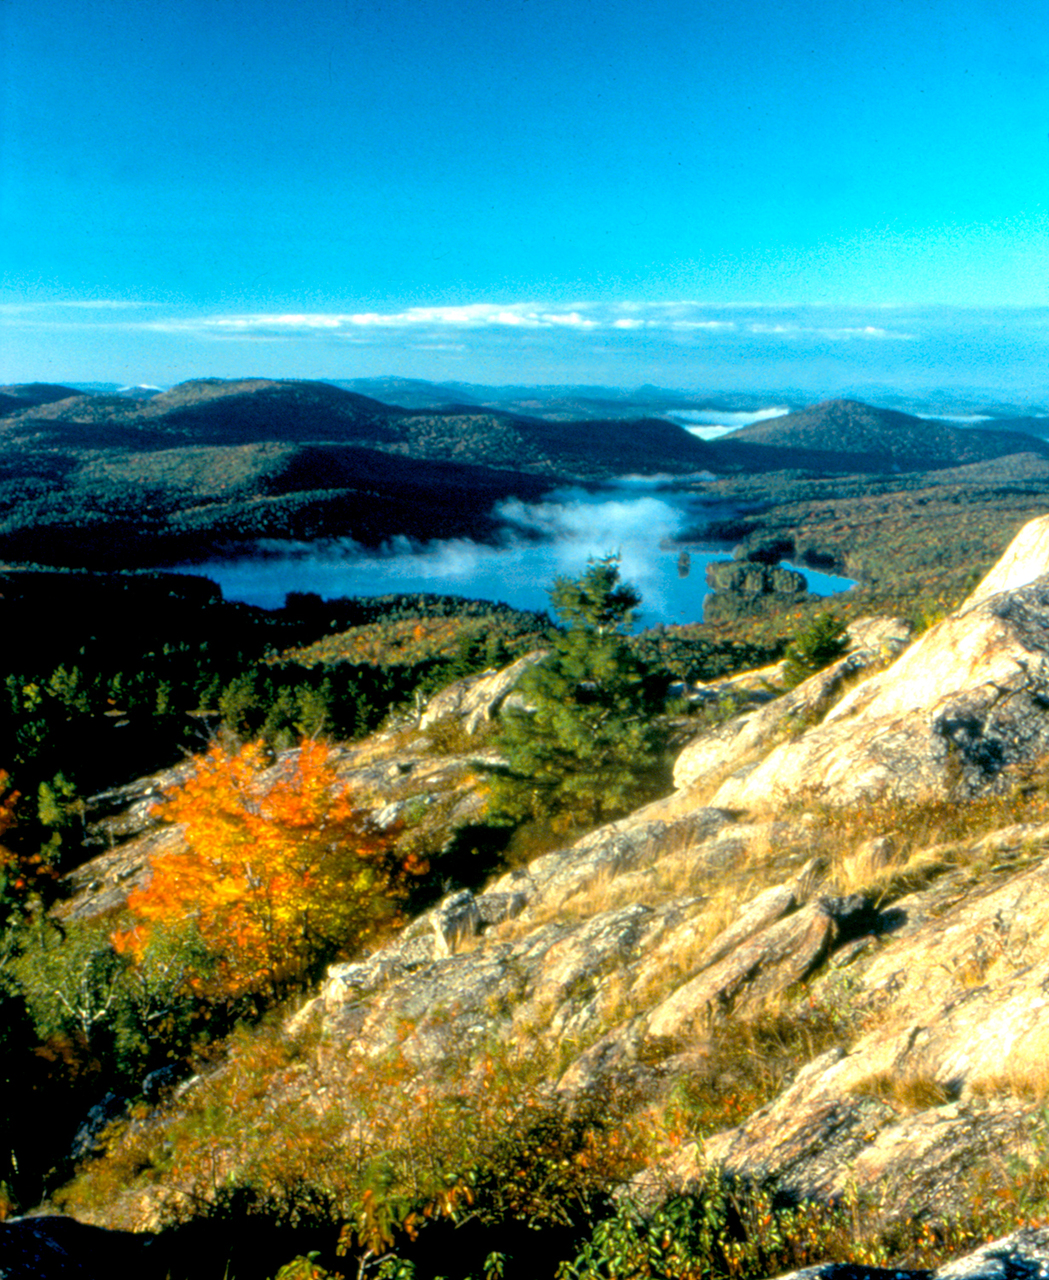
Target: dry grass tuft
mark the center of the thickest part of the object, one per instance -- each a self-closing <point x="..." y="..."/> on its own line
<point x="448" y="737"/>
<point x="888" y="848"/>
<point x="748" y="1062"/>
<point x="1030" y="1085"/>
<point x="1024" y="1074"/>
<point x="905" y="1093"/>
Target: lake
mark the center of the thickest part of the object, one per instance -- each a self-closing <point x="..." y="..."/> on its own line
<point x="541" y="540"/>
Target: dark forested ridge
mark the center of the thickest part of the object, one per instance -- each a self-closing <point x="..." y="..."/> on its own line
<point x="111" y="481"/>
<point x="216" y="412"/>
<point x="108" y="482"/>
<point x="845" y="435"/>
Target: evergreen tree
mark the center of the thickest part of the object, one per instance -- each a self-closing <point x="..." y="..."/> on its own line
<point x="822" y="641"/>
<point x="585" y="746"/>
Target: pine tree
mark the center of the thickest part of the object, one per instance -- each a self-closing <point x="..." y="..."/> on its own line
<point x="585" y="746"/>
<point x="822" y="641"/>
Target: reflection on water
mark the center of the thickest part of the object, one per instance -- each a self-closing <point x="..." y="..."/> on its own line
<point x="541" y="541"/>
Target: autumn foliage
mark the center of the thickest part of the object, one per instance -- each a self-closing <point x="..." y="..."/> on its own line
<point x="7" y="816"/>
<point x="23" y="875"/>
<point x="280" y="873"/>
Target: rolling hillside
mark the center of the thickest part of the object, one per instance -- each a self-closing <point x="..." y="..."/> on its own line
<point x="213" y="412"/>
<point x="104" y="481"/>
<point x="847" y="436"/>
<point x="211" y="466"/>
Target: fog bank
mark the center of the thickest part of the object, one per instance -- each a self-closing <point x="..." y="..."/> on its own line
<point x="538" y="542"/>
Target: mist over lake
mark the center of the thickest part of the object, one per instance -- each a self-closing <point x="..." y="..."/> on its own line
<point x="638" y="519"/>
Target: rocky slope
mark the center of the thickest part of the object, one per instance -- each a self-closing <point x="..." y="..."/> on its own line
<point x="851" y="882"/>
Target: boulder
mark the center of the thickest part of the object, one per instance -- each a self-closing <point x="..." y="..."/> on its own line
<point x="455" y="921"/>
<point x="551" y="983"/>
<point x="1024" y="559"/>
<point x="59" y="1248"/>
<point x="778" y="956"/>
<point x="552" y="880"/>
<point x="947" y="995"/>
<point x="1024" y="1255"/>
<point x="476" y="699"/>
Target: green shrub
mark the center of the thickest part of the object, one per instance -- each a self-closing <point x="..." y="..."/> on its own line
<point x="816" y="646"/>
<point x="125" y="1019"/>
<point x="722" y="1232"/>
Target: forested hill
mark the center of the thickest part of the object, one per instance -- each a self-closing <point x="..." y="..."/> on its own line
<point x="848" y="436"/>
<point x="28" y="395"/>
<point x="107" y="481"/>
<point x="218" y="413"/>
<point x="112" y="481"/>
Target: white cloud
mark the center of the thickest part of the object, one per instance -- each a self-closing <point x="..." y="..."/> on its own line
<point x="475" y="316"/>
<point x="676" y="319"/>
<point x="573" y="319"/>
<point x="866" y="331"/>
<point x="717" y="329"/>
<point x="823" y="331"/>
<point x="56" y="308"/>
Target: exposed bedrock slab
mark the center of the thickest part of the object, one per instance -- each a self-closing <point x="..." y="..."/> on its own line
<point x="964" y="703"/>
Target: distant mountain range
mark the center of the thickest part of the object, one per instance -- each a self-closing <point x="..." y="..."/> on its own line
<point x="572" y="402"/>
<point x="555" y="403"/>
<point x="119" y="479"/>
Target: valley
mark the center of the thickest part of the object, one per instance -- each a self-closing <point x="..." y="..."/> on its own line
<point x="768" y="999"/>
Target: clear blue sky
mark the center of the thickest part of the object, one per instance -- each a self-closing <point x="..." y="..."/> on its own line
<point x="757" y="193"/>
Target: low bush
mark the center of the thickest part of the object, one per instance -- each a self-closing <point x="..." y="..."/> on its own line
<point x="822" y="641"/>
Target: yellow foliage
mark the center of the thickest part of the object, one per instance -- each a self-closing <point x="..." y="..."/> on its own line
<point x="279" y="870"/>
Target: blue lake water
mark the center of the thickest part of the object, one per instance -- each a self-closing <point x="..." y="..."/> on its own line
<point x="540" y="541"/>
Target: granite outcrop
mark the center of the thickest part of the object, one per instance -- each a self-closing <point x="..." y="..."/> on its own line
<point x="860" y="857"/>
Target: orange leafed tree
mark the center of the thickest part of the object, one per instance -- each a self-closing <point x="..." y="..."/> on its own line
<point x="280" y="872"/>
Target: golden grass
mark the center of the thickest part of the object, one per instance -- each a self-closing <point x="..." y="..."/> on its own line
<point x="1031" y="1086"/>
<point x="762" y="856"/>
<point x="932" y="837"/>
<point x="1024" y="1074"/>
<point x="999" y="834"/>
<point x="905" y="1094"/>
<point x="746" y="1062"/>
<point x="448" y="736"/>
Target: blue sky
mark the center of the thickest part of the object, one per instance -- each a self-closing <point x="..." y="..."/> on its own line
<point x="805" y="194"/>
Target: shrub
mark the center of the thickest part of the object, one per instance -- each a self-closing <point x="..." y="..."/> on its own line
<point x="721" y="1232"/>
<point x="280" y="874"/>
<point x="816" y="646"/>
<point x="373" y="1144"/>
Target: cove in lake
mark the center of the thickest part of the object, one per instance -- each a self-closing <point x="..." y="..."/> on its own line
<point x="539" y="542"/>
